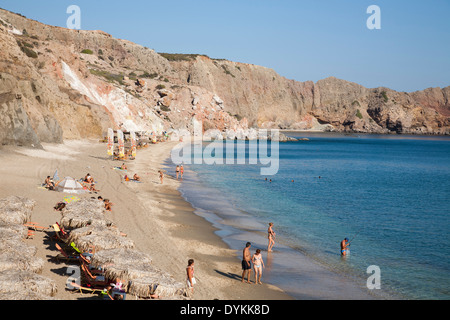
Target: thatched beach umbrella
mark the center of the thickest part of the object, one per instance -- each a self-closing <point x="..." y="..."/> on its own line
<point x="24" y="296"/>
<point x="17" y="246"/>
<point x="12" y="231"/>
<point x="127" y="272"/>
<point x="82" y="219"/>
<point x="16" y="210"/>
<point x="86" y="204"/>
<point x="14" y="283"/>
<point x="10" y="260"/>
<point x="119" y="256"/>
<point x="76" y="234"/>
<point x="103" y="242"/>
<point x="162" y="285"/>
<point x="84" y="212"/>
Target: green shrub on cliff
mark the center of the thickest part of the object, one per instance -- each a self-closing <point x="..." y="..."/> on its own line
<point x="180" y="56"/>
<point x="87" y="51"/>
<point x="108" y="76"/>
<point x="358" y="114"/>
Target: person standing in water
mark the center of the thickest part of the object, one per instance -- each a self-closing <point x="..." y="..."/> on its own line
<point x="177" y="170"/>
<point x="258" y="264"/>
<point x="344" y="246"/>
<point x="271" y="236"/>
<point x="181" y="172"/>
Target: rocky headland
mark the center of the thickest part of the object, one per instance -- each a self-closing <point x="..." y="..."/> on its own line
<point x="57" y="83"/>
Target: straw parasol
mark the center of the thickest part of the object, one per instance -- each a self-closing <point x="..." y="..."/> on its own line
<point x="162" y="285"/>
<point x="86" y="203"/>
<point x="12" y="231"/>
<point x="84" y="212"/>
<point x="127" y="272"/>
<point x="10" y="260"/>
<point x="17" y="247"/>
<point x="103" y="242"/>
<point x="81" y="219"/>
<point x="29" y="295"/>
<point x="119" y="256"/>
<point x="14" y="283"/>
<point x="76" y="234"/>
<point x="16" y="210"/>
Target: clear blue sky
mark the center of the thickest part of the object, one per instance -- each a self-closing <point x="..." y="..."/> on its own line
<point x="300" y="40"/>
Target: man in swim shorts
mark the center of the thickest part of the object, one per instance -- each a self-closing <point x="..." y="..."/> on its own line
<point x="246" y="262"/>
<point x="344" y="245"/>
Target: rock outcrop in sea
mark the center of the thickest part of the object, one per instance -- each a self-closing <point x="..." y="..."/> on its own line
<point x="57" y="83"/>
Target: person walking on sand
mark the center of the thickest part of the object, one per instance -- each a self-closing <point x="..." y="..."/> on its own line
<point x="177" y="170"/>
<point x="190" y="280"/>
<point x="181" y="172"/>
<point x="271" y="236"/>
<point x="161" y="176"/>
<point x="246" y="262"/>
<point x="258" y="264"/>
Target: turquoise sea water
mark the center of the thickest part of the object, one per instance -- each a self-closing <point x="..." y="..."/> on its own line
<point x="390" y="193"/>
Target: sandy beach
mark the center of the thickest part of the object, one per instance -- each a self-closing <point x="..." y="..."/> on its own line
<point x="152" y="214"/>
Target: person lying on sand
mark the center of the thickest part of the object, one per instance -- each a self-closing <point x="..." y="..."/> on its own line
<point x="108" y="204"/>
<point x="59" y="206"/>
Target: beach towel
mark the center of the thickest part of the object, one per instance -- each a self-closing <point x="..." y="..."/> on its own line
<point x="132" y="180"/>
<point x="69" y="199"/>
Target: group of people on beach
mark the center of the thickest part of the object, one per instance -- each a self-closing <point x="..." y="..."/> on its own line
<point x="179" y="171"/>
<point x="256" y="259"/>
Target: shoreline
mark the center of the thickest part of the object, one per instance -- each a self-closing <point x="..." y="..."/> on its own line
<point x="309" y="279"/>
<point x="156" y="217"/>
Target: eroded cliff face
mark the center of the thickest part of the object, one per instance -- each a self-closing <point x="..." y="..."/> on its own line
<point x="57" y="84"/>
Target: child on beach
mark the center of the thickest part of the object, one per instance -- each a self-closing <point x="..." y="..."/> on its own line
<point x="258" y="264"/>
<point x="161" y="176"/>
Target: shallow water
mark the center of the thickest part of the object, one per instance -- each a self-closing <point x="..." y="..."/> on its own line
<point x="389" y="193"/>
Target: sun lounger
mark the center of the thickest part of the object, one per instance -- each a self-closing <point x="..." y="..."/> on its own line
<point x="82" y="289"/>
<point x="35" y="227"/>
<point x="93" y="280"/>
<point x="60" y="234"/>
<point x="64" y="256"/>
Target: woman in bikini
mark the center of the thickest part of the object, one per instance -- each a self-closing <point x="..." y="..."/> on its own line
<point x="271" y="236"/>
<point x="258" y="264"/>
<point x="190" y="280"/>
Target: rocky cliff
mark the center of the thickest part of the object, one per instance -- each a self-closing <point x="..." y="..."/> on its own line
<point x="57" y="84"/>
